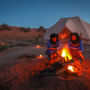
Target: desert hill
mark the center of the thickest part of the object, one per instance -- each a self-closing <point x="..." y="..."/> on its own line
<point x="16" y="35"/>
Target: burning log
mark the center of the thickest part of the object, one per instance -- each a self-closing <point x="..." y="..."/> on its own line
<point x="60" y="71"/>
<point x="64" y="67"/>
<point x="71" y="68"/>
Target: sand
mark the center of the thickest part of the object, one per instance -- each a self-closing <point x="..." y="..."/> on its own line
<point x="19" y="67"/>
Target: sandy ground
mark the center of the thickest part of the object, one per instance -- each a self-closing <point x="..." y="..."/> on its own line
<point x="12" y="54"/>
<point x="20" y="65"/>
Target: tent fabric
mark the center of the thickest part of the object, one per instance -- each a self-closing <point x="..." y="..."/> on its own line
<point x="73" y="24"/>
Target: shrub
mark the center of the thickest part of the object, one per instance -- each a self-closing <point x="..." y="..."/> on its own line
<point x="37" y="38"/>
<point x="25" y="29"/>
<point x="40" y="28"/>
<point x="22" y="29"/>
<point x="0" y="28"/>
<point x="3" y="47"/>
<point x="5" y="27"/>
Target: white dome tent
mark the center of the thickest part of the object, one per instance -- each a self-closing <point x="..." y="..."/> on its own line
<point x="73" y="24"/>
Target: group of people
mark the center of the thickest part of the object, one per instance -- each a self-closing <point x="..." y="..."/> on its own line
<point x="74" y="43"/>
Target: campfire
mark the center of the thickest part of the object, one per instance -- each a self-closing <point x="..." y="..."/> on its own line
<point x="38" y="46"/>
<point x="64" y="67"/>
<point x="71" y="68"/>
<point x="2" y="43"/>
<point x="40" y="56"/>
<point x="70" y="63"/>
<point x="65" y="53"/>
<point x="68" y="57"/>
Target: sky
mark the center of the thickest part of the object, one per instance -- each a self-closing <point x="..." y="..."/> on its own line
<point x="36" y="13"/>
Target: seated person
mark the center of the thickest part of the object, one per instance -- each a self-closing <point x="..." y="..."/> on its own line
<point x="75" y="44"/>
<point x="52" y="45"/>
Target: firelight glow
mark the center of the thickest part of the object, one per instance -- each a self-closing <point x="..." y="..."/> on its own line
<point x="65" y="53"/>
<point x="71" y="68"/>
<point x="38" y="46"/>
<point x="2" y="43"/>
<point x="40" y="56"/>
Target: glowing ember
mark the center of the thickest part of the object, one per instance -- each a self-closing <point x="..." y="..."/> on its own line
<point x="40" y="56"/>
<point x="66" y="54"/>
<point x="2" y="43"/>
<point x="38" y="46"/>
<point x="63" y="36"/>
<point x="71" y="68"/>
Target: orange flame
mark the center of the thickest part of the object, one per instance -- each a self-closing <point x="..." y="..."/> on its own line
<point x="38" y="46"/>
<point x="40" y="56"/>
<point x="71" y="68"/>
<point x="66" y="54"/>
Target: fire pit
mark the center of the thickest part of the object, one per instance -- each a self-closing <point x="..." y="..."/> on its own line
<point x="66" y="65"/>
<point x="70" y="65"/>
<point x="40" y="56"/>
